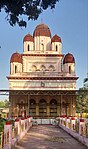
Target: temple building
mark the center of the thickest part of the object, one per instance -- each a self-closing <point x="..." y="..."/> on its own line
<point x="42" y="80"/>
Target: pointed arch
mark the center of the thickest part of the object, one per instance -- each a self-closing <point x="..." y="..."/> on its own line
<point x="34" y="68"/>
<point x="42" y="68"/>
<point x="51" y="68"/>
<point x="32" y="102"/>
<point x="53" y="101"/>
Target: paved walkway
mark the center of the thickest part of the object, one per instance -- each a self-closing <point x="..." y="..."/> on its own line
<point x="48" y="137"/>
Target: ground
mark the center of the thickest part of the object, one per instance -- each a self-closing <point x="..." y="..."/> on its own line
<point x="48" y="137"/>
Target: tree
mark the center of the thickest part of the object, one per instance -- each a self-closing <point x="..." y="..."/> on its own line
<point x="17" y="9"/>
<point x="2" y="104"/>
<point x="82" y="101"/>
<point x="6" y="103"/>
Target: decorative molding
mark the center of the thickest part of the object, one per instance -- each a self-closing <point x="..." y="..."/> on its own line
<point x="41" y="78"/>
<point x="46" y="55"/>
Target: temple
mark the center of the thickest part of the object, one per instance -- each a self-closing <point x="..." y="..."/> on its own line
<point x="42" y="80"/>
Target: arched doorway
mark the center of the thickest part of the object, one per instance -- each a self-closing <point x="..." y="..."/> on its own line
<point x="53" y="107"/>
<point x="42" y="108"/>
<point x="32" y="107"/>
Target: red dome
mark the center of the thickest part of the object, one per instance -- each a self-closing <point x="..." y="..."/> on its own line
<point x="16" y="57"/>
<point x="42" y="30"/>
<point x="28" y="37"/>
<point x="56" y="38"/>
<point x="69" y="58"/>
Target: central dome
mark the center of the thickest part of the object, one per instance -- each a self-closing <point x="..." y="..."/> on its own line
<point x="42" y="30"/>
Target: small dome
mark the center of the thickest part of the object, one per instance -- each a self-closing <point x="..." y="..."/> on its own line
<point x="69" y="58"/>
<point x="42" y="30"/>
<point x="28" y="37"/>
<point x="16" y="57"/>
<point x="56" y="38"/>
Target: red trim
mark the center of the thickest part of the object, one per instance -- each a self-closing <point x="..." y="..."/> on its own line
<point x="46" y="55"/>
<point x="8" y="123"/>
<point x="43" y="78"/>
<point x="72" y="118"/>
<point x="29" y="116"/>
<point x="81" y="120"/>
<point x="22" y="118"/>
<point x="17" y="120"/>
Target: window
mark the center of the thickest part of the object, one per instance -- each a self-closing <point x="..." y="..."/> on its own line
<point x="28" y="47"/>
<point x="42" y="47"/>
<point x="70" y="69"/>
<point x="42" y="107"/>
<point x="53" y="107"/>
<point x="32" y="109"/>
<point x="56" y="48"/>
<point x="15" y="69"/>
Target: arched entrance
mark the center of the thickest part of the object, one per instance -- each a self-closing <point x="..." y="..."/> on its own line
<point x="32" y="107"/>
<point x="42" y="108"/>
<point x="53" y="107"/>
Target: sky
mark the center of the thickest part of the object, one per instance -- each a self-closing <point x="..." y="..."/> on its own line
<point x="69" y="20"/>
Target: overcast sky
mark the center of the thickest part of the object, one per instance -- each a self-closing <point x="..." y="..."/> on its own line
<point x="69" y="20"/>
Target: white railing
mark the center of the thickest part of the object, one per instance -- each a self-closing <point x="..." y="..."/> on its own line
<point x="11" y="134"/>
<point x="78" y="128"/>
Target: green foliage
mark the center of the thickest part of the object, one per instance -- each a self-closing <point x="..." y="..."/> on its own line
<point x="17" y="9"/>
<point x="2" y="123"/>
<point x="82" y="101"/>
<point x="4" y="104"/>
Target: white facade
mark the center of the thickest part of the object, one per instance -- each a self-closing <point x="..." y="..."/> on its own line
<point x="41" y="66"/>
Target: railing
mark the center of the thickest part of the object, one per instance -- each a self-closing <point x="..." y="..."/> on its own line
<point x="78" y="128"/>
<point x="4" y="138"/>
<point x="11" y="135"/>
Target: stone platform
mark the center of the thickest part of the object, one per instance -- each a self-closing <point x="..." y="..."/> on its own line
<point x="48" y="137"/>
